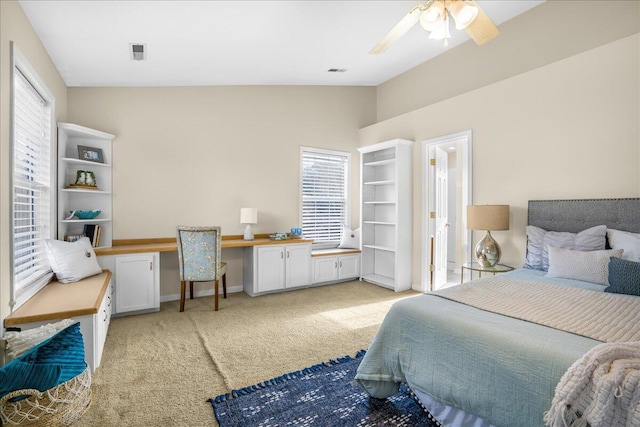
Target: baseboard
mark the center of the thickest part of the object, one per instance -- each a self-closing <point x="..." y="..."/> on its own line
<point x="205" y="293"/>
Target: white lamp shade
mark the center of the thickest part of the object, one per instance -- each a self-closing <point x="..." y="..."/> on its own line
<point x="463" y="13"/>
<point x="248" y="216"/>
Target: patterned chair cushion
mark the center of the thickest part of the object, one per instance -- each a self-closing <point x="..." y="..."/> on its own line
<point x="199" y="254"/>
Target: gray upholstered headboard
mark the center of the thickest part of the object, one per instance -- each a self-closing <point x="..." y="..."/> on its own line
<point x="576" y="215"/>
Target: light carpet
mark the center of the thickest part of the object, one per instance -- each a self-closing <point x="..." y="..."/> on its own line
<point x="160" y="368"/>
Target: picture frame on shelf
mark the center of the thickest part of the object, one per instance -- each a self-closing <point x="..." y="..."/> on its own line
<point x="90" y="154"/>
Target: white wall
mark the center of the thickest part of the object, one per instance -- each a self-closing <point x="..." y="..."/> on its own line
<point x="566" y="130"/>
<point x="196" y="155"/>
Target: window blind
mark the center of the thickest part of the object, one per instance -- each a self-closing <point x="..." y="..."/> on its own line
<point x="324" y="184"/>
<point x="32" y="211"/>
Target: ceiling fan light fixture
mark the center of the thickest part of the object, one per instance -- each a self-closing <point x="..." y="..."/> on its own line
<point x="463" y="13"/>
<point x="442" y="32"/>
<point x="433" y="18"/>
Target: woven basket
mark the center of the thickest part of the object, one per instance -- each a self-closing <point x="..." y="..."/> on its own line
<point x="59" y="406"/>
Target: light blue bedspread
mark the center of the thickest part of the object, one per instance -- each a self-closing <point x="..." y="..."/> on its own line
<point x="502" y="369"/>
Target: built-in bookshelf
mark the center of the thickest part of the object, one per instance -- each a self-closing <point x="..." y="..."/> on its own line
<point x="385" y="212"/>
<point x="84" y="182"/>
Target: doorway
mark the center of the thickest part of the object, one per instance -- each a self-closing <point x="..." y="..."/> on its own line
<point x="446" y="177"/>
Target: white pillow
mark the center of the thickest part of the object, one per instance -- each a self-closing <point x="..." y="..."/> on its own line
<point x="19" y="342"/>
<point x="72" y="261"/>
<point x="538" y="241"/>
<point x="589" y="266"/>
<point x="630" y="242"/>
<point x="350" y="239"/>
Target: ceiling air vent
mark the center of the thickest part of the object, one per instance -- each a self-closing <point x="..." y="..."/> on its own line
<point x="138" y="51"/>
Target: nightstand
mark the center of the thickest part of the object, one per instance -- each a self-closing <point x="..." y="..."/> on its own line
<point x="474" y="266"/>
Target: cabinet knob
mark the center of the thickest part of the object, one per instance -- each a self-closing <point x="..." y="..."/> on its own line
<point x="340" y="263"/>
<point x="287" y="254"/>
<point x="281" y="255"/>
<point x="151" y="266"/>
<point x="335" y="264"/>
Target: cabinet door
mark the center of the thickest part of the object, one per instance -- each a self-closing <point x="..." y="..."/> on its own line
<point x="325" y="269"/>
<point x="136" y="287"/>
<point x="270" y="268"/>
<point x="298" y="260"/>
<point x="348" y="266"/>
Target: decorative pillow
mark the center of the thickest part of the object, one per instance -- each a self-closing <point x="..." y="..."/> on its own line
<point x="350" y="238"/>
<point x="624" y="277"/>
<point x="538" y="241"/>
<point x="54" y="361"/>
<point x="589" y="266"/>
<point x="630" y="242"/>
<point x="19" y="342"/>
<point x="72" y="261"/>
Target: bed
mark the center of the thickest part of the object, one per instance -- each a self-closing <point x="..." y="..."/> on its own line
<point x="474" y="366"/>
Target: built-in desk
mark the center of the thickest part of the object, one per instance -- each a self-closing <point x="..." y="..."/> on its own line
<point x="168" y="244"/>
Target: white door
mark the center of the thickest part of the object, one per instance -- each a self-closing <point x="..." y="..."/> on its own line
<point x="298" y="260"/>
<point x="325" y="269"/>
<point x="441" y="217"/>
<point x="270" y="260"/>
<point x="135" y="283"/>
<point x="348" y="266"/>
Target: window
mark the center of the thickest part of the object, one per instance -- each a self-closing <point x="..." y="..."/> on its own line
<point x="324" y="186"/>
<point x="33" y="198"/>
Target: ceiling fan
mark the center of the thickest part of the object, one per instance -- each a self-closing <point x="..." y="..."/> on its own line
<point x="434" y="17"/>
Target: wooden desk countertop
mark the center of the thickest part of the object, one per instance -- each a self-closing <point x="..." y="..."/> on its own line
<point x="59" y="301"/>
<point x="168" y="244"/>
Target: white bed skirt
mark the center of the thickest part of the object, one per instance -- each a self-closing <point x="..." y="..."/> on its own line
<point x="449" y="416"/>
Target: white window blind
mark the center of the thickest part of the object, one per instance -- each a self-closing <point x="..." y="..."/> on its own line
<point x="325" y="195"/>
<point x="32" y="210"/>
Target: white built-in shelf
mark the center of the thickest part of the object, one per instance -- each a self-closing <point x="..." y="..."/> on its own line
<point x="73" y="161"/>
<point x="381" y="162"/>
<point x="85" y="221"/>
<point x="380" y="183"/>
<point x="379" y="222"/>
<point x="380" y="248"/>
<point x="80" y="190"/>
<point x="385" y="281"/>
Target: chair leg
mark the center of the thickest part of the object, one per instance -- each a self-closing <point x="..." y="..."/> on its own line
<point x="217" y="285"/>
<point x="182" y="291"/>
<point x="191" y="289"/>
<point x="224" y="284"/>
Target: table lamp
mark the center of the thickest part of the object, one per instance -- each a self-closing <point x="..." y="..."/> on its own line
<point x="248" y="216"/>
<point x="488" y="217"/>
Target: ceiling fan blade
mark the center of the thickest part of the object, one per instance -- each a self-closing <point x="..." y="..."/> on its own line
<point x="482" y="29"/>
<point x="400" y="28"/>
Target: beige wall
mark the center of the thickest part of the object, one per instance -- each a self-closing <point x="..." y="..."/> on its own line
<point x="554" y="30"/>
<point x="15" y="27"/>
<point x="196" y="155"/>
<point x="569" y="129"/>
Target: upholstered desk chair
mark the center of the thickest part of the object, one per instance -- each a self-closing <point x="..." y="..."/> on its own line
<point x="199" y="259"/>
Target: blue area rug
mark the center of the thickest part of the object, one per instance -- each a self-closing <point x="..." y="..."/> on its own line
<point x="321" y="395"/>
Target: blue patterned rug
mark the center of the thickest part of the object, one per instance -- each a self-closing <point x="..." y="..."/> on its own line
<point x="321" y="395"/>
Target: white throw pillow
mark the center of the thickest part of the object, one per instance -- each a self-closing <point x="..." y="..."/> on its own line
<point x="350" y="239"/>
<point x="538" y="241"/>
<point x="630" y="242"/>
<point x="589" y="266"/>
<point x="72" y="261"/>
<point x="19" y="342"/>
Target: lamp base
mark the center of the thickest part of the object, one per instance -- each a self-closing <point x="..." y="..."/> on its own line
<point x="248" y="232"/>
<point x="488" y="251"/>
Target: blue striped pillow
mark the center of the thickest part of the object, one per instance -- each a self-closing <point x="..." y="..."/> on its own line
<point x="54" y="361"/>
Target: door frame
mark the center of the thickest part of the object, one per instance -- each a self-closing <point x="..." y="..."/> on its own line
<point x="465" y="154"/>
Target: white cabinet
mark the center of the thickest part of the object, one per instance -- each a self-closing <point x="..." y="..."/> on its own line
<point x="335" y="268"/>
<point x="270" y="268"/>
<point x="73" y="196"/>
<point x="136" y="280"/>
<point x="385" y="213"/>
